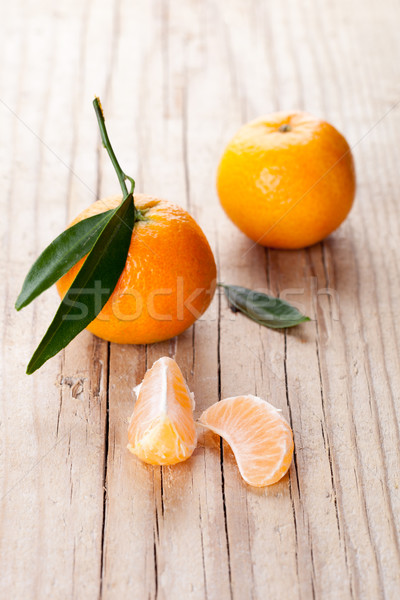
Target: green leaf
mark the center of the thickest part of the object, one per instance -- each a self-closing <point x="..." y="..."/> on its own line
<point x="62" y="254"/>
<point x="92" y="286"/>
<point x="263" y="309"/>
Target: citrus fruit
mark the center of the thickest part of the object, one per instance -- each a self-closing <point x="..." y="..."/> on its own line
<point x="287" y="180"/>
<point x="258" y="435"/>
<point x="168" y="280"/>
<point x="142" y="272"/>
<point x="162" y="430"/>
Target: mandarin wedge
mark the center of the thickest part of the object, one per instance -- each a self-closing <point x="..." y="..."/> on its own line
<point x="258" y="435"/>
<point x="162" y="429"/>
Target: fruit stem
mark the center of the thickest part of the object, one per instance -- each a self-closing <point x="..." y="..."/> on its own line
<point x="107" y="145"/>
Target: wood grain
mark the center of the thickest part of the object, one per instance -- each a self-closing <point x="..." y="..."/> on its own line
<point x="79" y="516"/>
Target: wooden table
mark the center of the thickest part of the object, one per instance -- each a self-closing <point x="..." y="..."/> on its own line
<point x="80" y="517"/>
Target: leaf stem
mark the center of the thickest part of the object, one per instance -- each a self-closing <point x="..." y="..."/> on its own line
<point x="107" y="145"/>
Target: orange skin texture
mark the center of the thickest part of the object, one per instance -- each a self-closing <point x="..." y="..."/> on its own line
<point x="287" y="189"/>
<point x="168" y="281"/>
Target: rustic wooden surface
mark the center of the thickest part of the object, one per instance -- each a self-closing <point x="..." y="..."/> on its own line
<point x="80" y="517"/>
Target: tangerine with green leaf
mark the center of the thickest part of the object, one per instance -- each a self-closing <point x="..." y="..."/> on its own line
<point x="132" y="269"/>
<point x="168" y="280"/>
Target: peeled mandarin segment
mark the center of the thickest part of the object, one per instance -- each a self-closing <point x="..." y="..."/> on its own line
<point x="259" y="436"/>
<point x="162" y="429"/>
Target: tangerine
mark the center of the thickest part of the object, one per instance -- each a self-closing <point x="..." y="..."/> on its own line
<point x="168" y="281"/>
<point x="287" y="180"/>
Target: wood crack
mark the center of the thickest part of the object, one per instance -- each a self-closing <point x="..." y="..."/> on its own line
<point x="326" y="437"/>
<point x="228" y="551"/>
<point x="296" y="548"/>
<point x="202" y="552"/>
<point x="155" y="565"/>
<point x="290" y="411"/>
<point x="106" y="450"/>
<point x="312" y="566"/>
<point x="61" y="392"/>
<point x="165" y="56"/>
<point x="193" y="348"/>
<point x="162" y="490"/>
<point x="295" y="469"/>
<point x="249" y="548"/>
<point x="185" y="157"/>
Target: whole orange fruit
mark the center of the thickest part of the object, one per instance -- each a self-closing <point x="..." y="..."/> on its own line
<point x="287" y="180"/>
<point x="168" y="280"/>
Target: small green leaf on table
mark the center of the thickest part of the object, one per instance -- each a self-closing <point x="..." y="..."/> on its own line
<point x="263" y="309"/>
